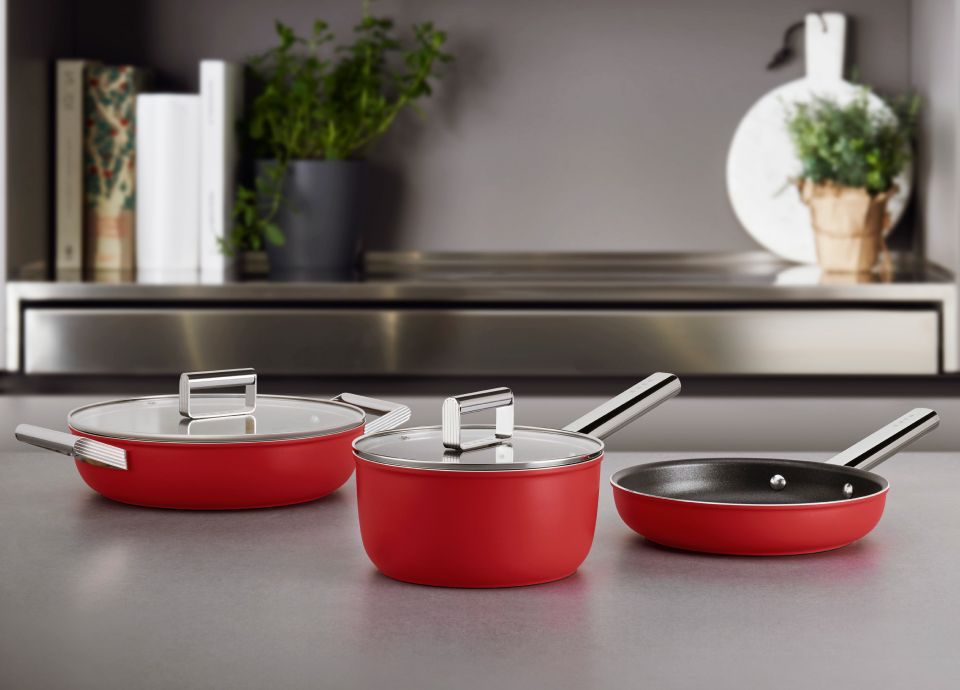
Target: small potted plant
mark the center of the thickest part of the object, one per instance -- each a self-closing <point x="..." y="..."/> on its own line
<point x="850" y="154"/>
<point x="317" y="111"/>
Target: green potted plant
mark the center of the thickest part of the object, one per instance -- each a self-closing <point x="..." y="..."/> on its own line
<point x="317" y="111"/>
<point x="850" y="154"/>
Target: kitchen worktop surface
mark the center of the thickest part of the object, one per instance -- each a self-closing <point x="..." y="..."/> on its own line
<point x="95" y="594"/>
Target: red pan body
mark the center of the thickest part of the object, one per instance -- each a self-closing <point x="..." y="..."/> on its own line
<point x="749" y="530"/>
<point x="454" y="528"/>
<point x="220" y="476"/>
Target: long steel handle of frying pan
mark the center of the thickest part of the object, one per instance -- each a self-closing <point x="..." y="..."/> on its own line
<point x="616" y="413"/>
<point x="79" y="447"/>
<point x="889" y="440"/>
<point x="391" y="414"/>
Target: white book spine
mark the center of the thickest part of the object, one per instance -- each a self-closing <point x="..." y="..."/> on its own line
<point x="221" y="97"/>
<point x="69" y="168"/>
<point x="168" y="186"/>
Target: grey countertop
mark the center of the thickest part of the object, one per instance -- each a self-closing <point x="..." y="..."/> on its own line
<point x="94" y="594"/>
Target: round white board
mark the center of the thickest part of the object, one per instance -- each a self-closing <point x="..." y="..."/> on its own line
<point x="762" y="163"/>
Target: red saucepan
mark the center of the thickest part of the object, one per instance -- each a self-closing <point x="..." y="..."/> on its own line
<point x="489" y="506"/>
<point x="762" y="507"/>
<point x="216" y="451"/>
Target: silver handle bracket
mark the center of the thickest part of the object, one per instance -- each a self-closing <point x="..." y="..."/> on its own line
<point x="455" y="407"/>
<point x="224" y="378"/>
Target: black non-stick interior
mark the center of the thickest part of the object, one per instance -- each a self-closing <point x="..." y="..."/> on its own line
<point x="748" y="480"/>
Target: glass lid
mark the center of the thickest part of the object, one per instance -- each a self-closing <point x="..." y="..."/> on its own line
<point x="501" y="446"/>
<point x="192" y="417"/>
<point x="526" y="448"/>
<point x="158" y="419"/>
<point x="478" y="447"/>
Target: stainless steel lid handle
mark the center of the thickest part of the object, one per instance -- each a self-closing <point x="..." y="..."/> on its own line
<point x="459" y="405"/>
<point x="623" y="409"/>
<point x="79" y="447"/>
<point x="889" y="440"/>
<point x="225" y="378"/>
<point x="391" y="414"/>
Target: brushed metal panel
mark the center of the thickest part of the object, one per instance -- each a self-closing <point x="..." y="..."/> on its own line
<point x="481" y="341"/>
<point x="463" y="282"/>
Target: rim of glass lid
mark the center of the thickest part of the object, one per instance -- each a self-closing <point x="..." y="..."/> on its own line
<point x="191" y="430"/>
<point x="445" y="459"/>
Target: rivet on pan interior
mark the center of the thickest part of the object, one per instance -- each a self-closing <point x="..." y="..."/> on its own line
<point x="847" y="490"/>
<point x="777" y="482"/>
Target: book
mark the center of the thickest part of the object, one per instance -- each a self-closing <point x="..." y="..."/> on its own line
<point x="69" y="168"/>
<point x="110" y="177"/>
<point x="168" y="187"/>
<point x="221" y="102"/>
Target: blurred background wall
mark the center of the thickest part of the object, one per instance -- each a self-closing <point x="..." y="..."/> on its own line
<point x="563" y="125"/>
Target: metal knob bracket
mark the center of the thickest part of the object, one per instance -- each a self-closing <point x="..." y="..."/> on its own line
<point x="454" y="408"/>
<point x="224" y="378"/>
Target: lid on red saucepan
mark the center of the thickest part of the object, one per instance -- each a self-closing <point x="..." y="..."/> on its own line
<point x="527" y="448"/>
<point x="453" y="446"/>
<point x="230" y="417"/>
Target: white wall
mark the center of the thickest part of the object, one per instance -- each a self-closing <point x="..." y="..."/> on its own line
<point x="935" y="28"/>
<point x="3" y="179"/>
<point x="563" y="124"/>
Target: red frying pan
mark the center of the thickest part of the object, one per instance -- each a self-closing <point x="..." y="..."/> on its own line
<point x="765" y="507"/>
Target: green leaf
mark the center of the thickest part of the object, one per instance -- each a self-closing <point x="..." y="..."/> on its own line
<point x="850" y="144"/>
<point x="273" y="234"/>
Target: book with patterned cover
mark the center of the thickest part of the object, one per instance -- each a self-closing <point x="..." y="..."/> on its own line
<point x="109" y="166"/>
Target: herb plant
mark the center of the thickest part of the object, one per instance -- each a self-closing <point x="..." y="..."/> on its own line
<point x="852" y="145"/>
<point x="320" y="101"/>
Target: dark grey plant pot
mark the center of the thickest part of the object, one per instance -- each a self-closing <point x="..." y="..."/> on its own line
<point x="320" y="220"/>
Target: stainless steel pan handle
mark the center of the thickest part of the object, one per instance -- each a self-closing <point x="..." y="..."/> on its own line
<point x="79" y="447"/>
<point x="616" y="413"/>
<point x="224" y="378"/>
<point x="391" y="414"/>
<point x="889" y="440"/>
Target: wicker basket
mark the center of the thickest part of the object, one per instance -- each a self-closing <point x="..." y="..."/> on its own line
<point x="848" y="225"/>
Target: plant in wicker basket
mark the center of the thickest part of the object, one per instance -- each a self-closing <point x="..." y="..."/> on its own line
<point x="850" y="154"/>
